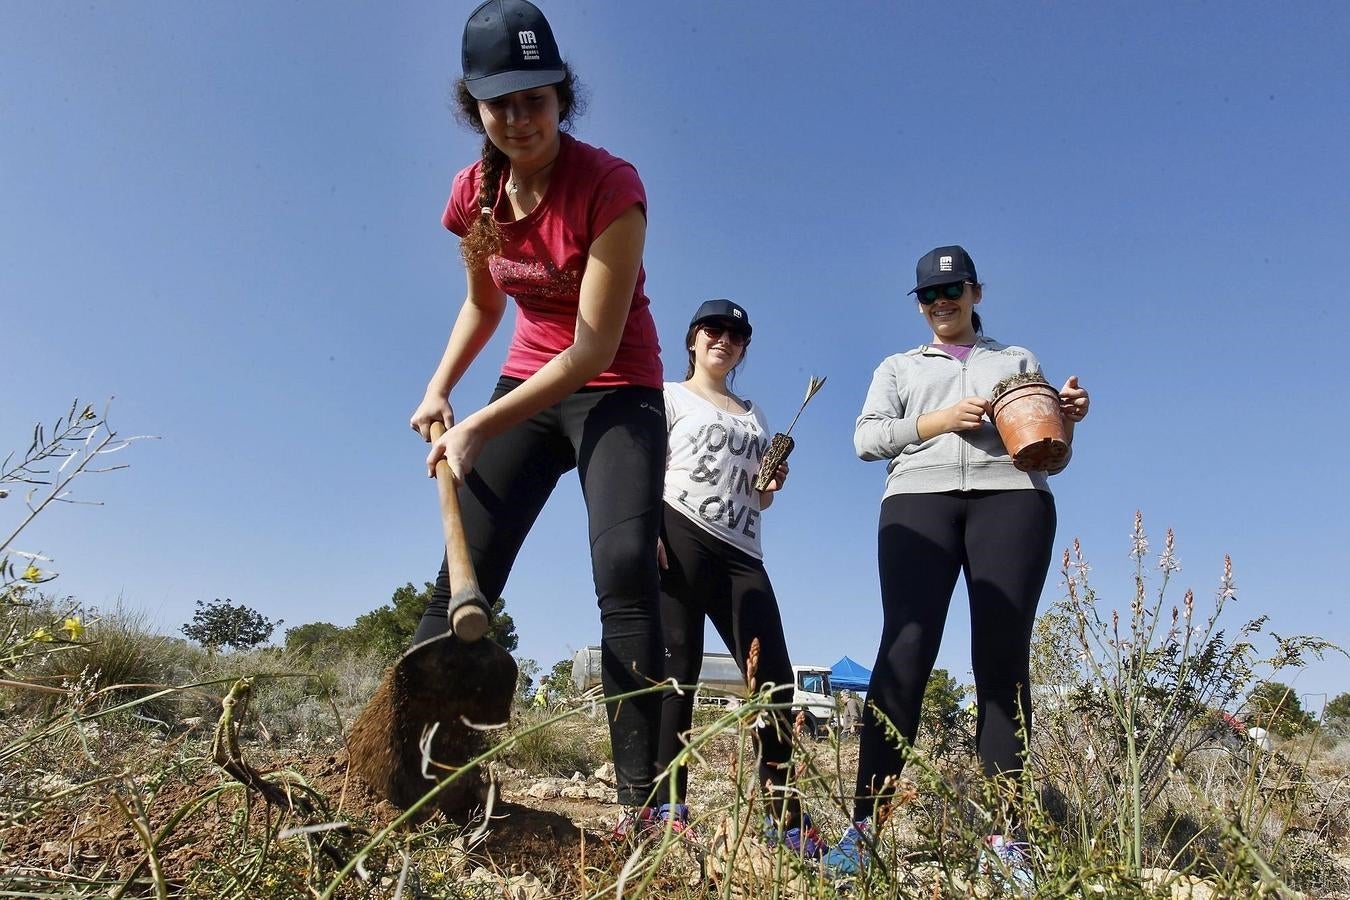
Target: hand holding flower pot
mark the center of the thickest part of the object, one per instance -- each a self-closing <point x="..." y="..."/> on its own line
<point x="1026" y="412"/>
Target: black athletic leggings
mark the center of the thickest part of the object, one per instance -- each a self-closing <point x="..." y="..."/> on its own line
<point x="709" y="577"/>
<point x="616" y="439"/>
<point x="1003" y="541"/>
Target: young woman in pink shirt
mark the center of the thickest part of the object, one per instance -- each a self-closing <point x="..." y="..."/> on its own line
<point x="558" y="226"/>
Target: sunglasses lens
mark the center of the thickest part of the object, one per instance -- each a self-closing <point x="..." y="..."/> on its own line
<point x="715" y="332"/>
<point x="949" y="291"/>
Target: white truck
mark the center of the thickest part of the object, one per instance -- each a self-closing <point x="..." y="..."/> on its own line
<point x="720" y="683"/>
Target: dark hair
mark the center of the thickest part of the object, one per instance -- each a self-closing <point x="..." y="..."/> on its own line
<point x="483" y="239"/>
<point x="974" y="316"/>
<point x="689" y="348"/>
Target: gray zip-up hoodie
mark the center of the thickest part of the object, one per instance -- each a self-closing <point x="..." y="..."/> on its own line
<point x="926" y="379"/>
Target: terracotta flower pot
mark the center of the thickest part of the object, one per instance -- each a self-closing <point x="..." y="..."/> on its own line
<point x="1029" y="422"/>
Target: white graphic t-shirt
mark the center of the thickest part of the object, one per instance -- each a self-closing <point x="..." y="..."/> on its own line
<point x="711" y="465"/>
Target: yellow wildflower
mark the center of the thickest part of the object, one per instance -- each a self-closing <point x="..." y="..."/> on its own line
<point x="32" y="573"/>
<point x="73" y="627"/>
<point x="42" y="634"/>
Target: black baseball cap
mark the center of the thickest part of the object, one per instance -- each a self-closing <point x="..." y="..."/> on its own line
<point x="509" y="46"/>
<point x="723" y="309"/>
<point x="944" y="265"/>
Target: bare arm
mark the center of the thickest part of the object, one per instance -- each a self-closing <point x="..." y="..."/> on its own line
<point x="602" y="311"/>
<point x="477" y="321"/>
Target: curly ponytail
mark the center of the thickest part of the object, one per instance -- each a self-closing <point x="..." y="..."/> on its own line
<point x="484" y="240"/>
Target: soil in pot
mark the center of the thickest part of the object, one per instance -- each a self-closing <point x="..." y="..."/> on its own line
<point x="1028" y="419"/>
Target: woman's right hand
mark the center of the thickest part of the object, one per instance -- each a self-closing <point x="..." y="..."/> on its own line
<point x="965" y="415"/>
<point x="433" y="408"/>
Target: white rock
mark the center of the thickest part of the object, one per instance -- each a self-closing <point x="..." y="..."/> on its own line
<point x="541" y="790"/>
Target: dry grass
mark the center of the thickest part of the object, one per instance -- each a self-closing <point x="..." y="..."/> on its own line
<point x="113" y="785"/>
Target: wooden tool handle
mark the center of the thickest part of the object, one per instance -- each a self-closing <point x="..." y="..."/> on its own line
<point x="462" y="576"/>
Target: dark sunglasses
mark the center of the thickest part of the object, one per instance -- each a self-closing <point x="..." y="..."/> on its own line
<point x="715" y="330"/>
<point x="952" y="291"/>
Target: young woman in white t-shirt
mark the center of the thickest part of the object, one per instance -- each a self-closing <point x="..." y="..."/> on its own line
<point x="712" y="565"/>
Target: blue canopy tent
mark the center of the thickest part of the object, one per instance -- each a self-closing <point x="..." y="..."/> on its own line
<point x="846" y="675"/>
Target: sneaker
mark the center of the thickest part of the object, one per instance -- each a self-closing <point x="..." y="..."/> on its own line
<point x="1014" y="861"/>
<point x="849" y="856"/>
<point x="635" y="823"/>
<point x="802" y="840"/>
<point x="677" y="815"/>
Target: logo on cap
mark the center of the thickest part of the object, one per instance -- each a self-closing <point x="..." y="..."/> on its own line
<point x="944" y="264"/>
<point x="737" y="313"/>
<point x="529" y="44"/>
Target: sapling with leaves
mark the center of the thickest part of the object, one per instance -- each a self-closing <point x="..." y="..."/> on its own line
<point x="781" y="444"/>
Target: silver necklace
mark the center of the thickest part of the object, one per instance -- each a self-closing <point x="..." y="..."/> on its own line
<point x="513" y="184"/>
<point x="724" y="402"/>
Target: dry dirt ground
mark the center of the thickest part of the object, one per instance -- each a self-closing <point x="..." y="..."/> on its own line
<point x="550" y="834"/>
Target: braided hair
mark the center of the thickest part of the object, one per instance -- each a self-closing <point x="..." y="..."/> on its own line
<point x="484" y="240"/>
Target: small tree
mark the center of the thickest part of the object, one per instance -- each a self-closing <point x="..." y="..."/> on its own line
<point x="389" y="629"/>
<point x="317" y="638"/>
<point x="527" y="669"/>
<point x="1275" y="707"/>
<point x="942" y="721"/>
<point x="503" y="629"/>
<point x="1336" y="716"/>
<point x="225" y="624"/>
<point x="558" y="681"/>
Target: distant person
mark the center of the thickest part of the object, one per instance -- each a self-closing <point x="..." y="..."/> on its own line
<point x="712" y="563"/>
<point x="850" y="714"/>
<point x="558" y="226"/>
<point x="954" y="502"/>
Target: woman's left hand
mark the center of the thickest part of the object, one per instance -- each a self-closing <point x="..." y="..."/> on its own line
<point x="779" y="478"/>
<point x="1073" y="400"/>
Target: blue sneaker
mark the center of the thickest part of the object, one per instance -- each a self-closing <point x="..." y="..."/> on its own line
<point x="677" y="814"/>
<point x="1014" y="862"/>
<point x="849" y="856"/>
<point x="802" y="840"/>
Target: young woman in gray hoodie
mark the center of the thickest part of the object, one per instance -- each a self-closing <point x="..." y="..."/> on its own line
<point x="954" y="502"/>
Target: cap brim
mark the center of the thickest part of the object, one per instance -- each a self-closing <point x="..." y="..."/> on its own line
<point x="733" y="323"/>
<point x="490" y="87"/>
<point x="944" y="278"/>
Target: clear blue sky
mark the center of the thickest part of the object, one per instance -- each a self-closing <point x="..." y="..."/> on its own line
<point x="228" y="217"/>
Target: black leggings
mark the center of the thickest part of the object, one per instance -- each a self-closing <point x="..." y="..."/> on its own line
<point x="1003" y="541"/>
<point x="709" y="577"/>
<point x="616" y="439"/>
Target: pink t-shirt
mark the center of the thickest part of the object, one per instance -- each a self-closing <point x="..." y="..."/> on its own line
<point x="544" y="255"/>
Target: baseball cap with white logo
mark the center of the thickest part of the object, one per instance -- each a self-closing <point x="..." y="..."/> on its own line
<point x="509" y="46"/>
<point x="944" y="265"/>
<point x="723" y="309"/>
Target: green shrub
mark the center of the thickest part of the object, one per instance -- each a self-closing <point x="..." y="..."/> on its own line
<point x="557" y="748"/>
<point x="118" y="659"/>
